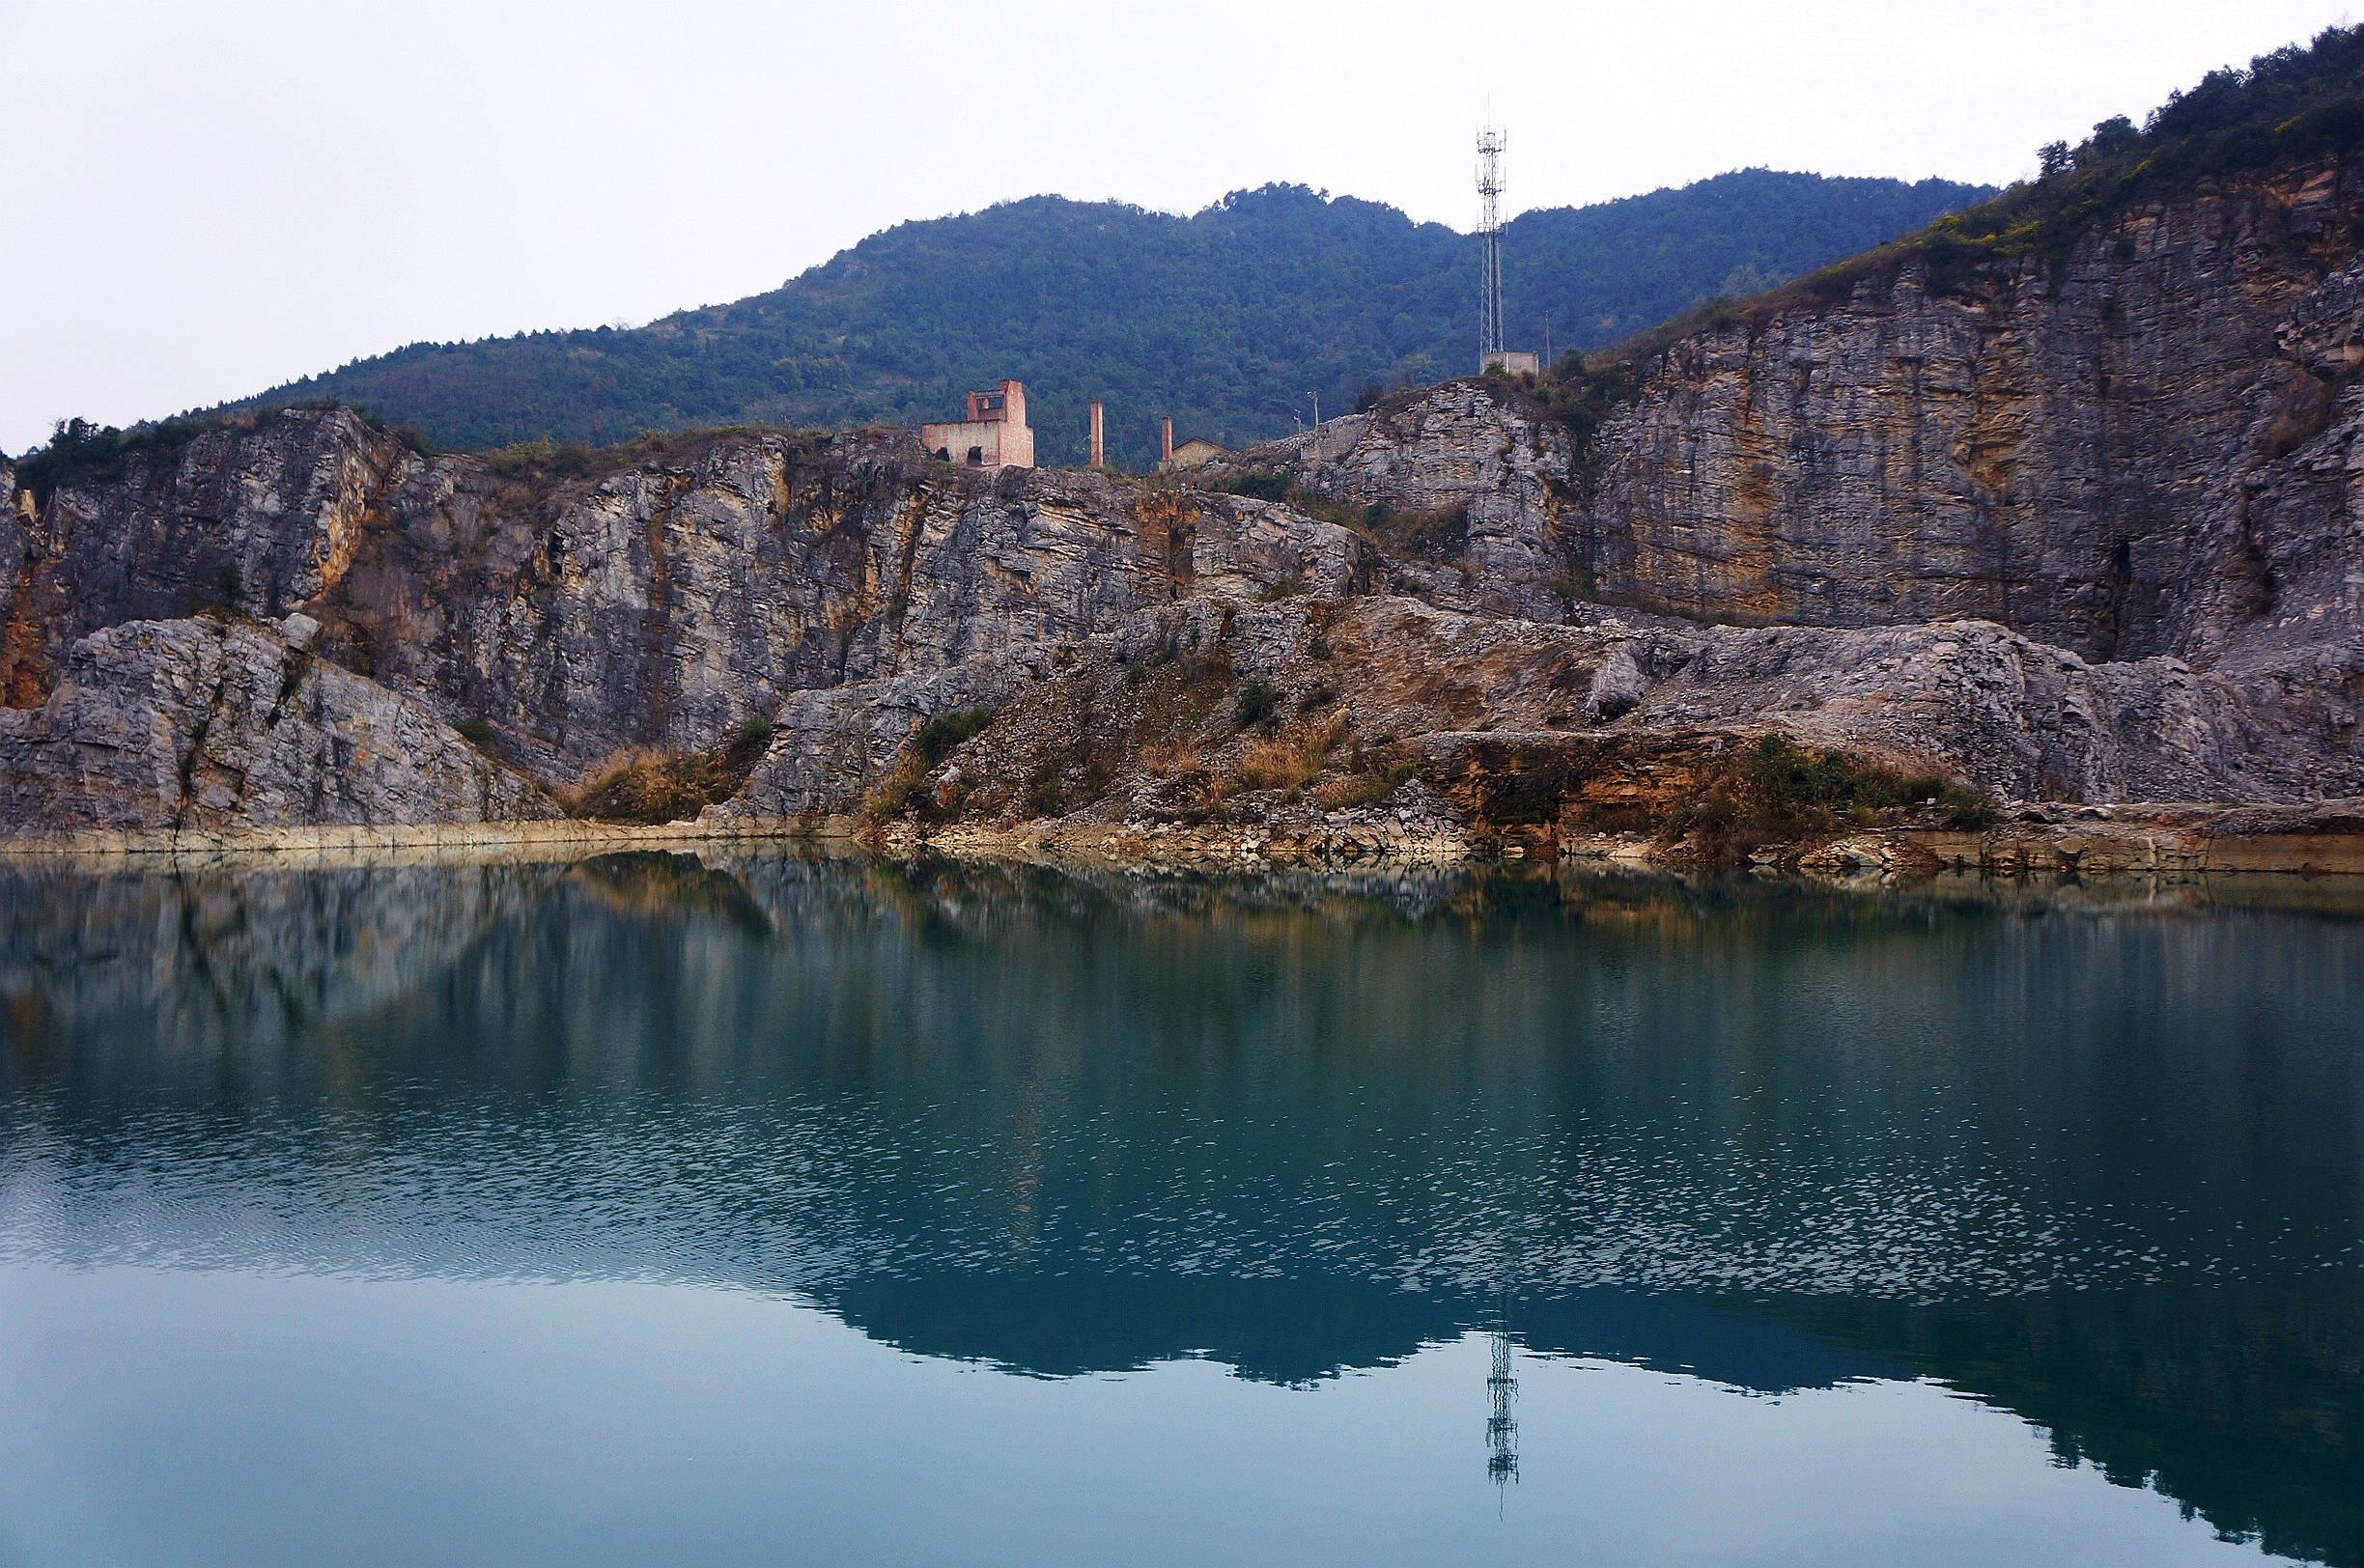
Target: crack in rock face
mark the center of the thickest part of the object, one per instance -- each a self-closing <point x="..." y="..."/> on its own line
<point x="195" y="724"/>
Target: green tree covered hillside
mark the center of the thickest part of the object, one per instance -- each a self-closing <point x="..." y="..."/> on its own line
<point x="1230" y="319"/>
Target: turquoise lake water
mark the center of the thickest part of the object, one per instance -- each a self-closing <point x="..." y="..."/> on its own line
<point x="770" y="1209"/>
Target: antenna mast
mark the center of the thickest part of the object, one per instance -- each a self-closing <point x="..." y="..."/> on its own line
<point x="1501" y="1427"/>
<point x="1489" y="238"/>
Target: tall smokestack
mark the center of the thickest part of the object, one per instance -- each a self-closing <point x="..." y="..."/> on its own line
<point x="1165" y="439"/>
<point x="1099" y="446"/>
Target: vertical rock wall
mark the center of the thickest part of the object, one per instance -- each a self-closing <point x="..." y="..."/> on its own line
<point x="663" y="603"/>
<point x="2046" y="447"/>
<point x="208" y="724"/>
<point x="1485" y="486"/>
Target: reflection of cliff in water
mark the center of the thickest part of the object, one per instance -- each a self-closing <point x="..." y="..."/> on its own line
<point x="228" y="952"/>
<point x="2070" y="1154"/>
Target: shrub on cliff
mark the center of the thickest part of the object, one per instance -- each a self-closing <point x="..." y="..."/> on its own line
<point x="650" y="785"/>
<point x="945" y="731"/>
<point x="2296" y="107"/>
<point x="1783" y="793"/>
<point x="1367" y="784"/>
<point x="901" y="791"/>
<point x="645" y="786"/>
<point x="79" y="450"/>
<point x="1257" y="485"/>
<point x="1437" y="535"/>
<point x="1258" y="701"/>
<point x="1580" y="395"/>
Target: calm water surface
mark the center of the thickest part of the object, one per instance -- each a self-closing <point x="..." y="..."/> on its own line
<point x="769" y="1209"/>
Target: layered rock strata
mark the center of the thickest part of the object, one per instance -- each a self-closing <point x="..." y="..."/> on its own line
<point x="662" y="604"/>
<point x="2153" y="450"/>
<point x="207" y="725"/>
<point x="2074" y="528"/>
<point x="2054" y="447"/>
<point x="1146" y="717"/>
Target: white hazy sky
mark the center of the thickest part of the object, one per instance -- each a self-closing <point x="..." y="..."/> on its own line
<point x="205" y="199"/>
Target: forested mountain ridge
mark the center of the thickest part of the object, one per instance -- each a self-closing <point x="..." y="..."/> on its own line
<point x="1232" y="319"/>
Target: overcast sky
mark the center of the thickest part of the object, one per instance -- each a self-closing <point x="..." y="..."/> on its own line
<point x="205" y="199"/>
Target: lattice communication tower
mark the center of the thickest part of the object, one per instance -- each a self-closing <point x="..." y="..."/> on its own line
<point x="1489" y="238"/>
<point x="1501" y="1427"/>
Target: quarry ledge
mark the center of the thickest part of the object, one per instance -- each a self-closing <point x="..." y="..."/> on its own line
<point x="2172" y="840"/>
<point x="572" y="833"/>
<point x="2143" y="840"/>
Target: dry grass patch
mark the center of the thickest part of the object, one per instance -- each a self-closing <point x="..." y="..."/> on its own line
<point x="1294" y="758"/>
<point x="646" y="784"/>
<point x="658" y="784"/>
<point x="1350" y="791"/>
<point x="1163" y="760"/>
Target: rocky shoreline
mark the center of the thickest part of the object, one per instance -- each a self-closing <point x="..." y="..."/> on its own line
<point x="2166" y="841"/>
<point x="2042" y="840"/>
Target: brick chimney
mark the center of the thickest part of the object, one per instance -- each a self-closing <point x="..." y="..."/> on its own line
<point x="1099" y="445"/>
<point x="1165" y="439"/>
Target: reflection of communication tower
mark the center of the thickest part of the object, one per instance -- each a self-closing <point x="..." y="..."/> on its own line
<point x="1502" y="1428"/>
<point x="1489" y="240"/>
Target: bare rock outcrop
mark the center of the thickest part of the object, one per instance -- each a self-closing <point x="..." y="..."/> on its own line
<point x="2076" y="527"/>
<point x="211" y="725"/>
<point x="2015" y="716"/>
<point x="2037" y="445"/>
<point x="830" y="746"/>
<point x="1476" y="456"/>
<point x="1097" y="728"/>
<point x="663" y="602"/>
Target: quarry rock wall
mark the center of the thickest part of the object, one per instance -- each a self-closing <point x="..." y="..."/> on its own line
<point x="2073" y="526"/>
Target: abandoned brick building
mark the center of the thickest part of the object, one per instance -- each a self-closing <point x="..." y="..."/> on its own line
<point x="994" y="434"/>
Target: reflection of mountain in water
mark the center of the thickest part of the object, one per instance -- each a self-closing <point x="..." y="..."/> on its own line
<point x="1296" y="1331"/>
<point x="2245" y="1403"/>
<point x="2070" y="1158"/>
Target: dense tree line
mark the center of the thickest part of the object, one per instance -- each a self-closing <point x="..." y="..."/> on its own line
<point x="2296" y="108"/>
<point x="2297" y="105"/>
<point x="1232" y="320"/>
<point x="1235" y="319"/>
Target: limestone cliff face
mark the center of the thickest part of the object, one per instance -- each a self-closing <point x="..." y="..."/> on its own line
<point x="1479" y="449"/>
<point x="2044" y="449"/>
<point x="665" y="603"/>
<point x="266" y="521"/>
<point x="2149" y="450"/>
<point x="211" y="726"/>
<point x="2085" y="530"/>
